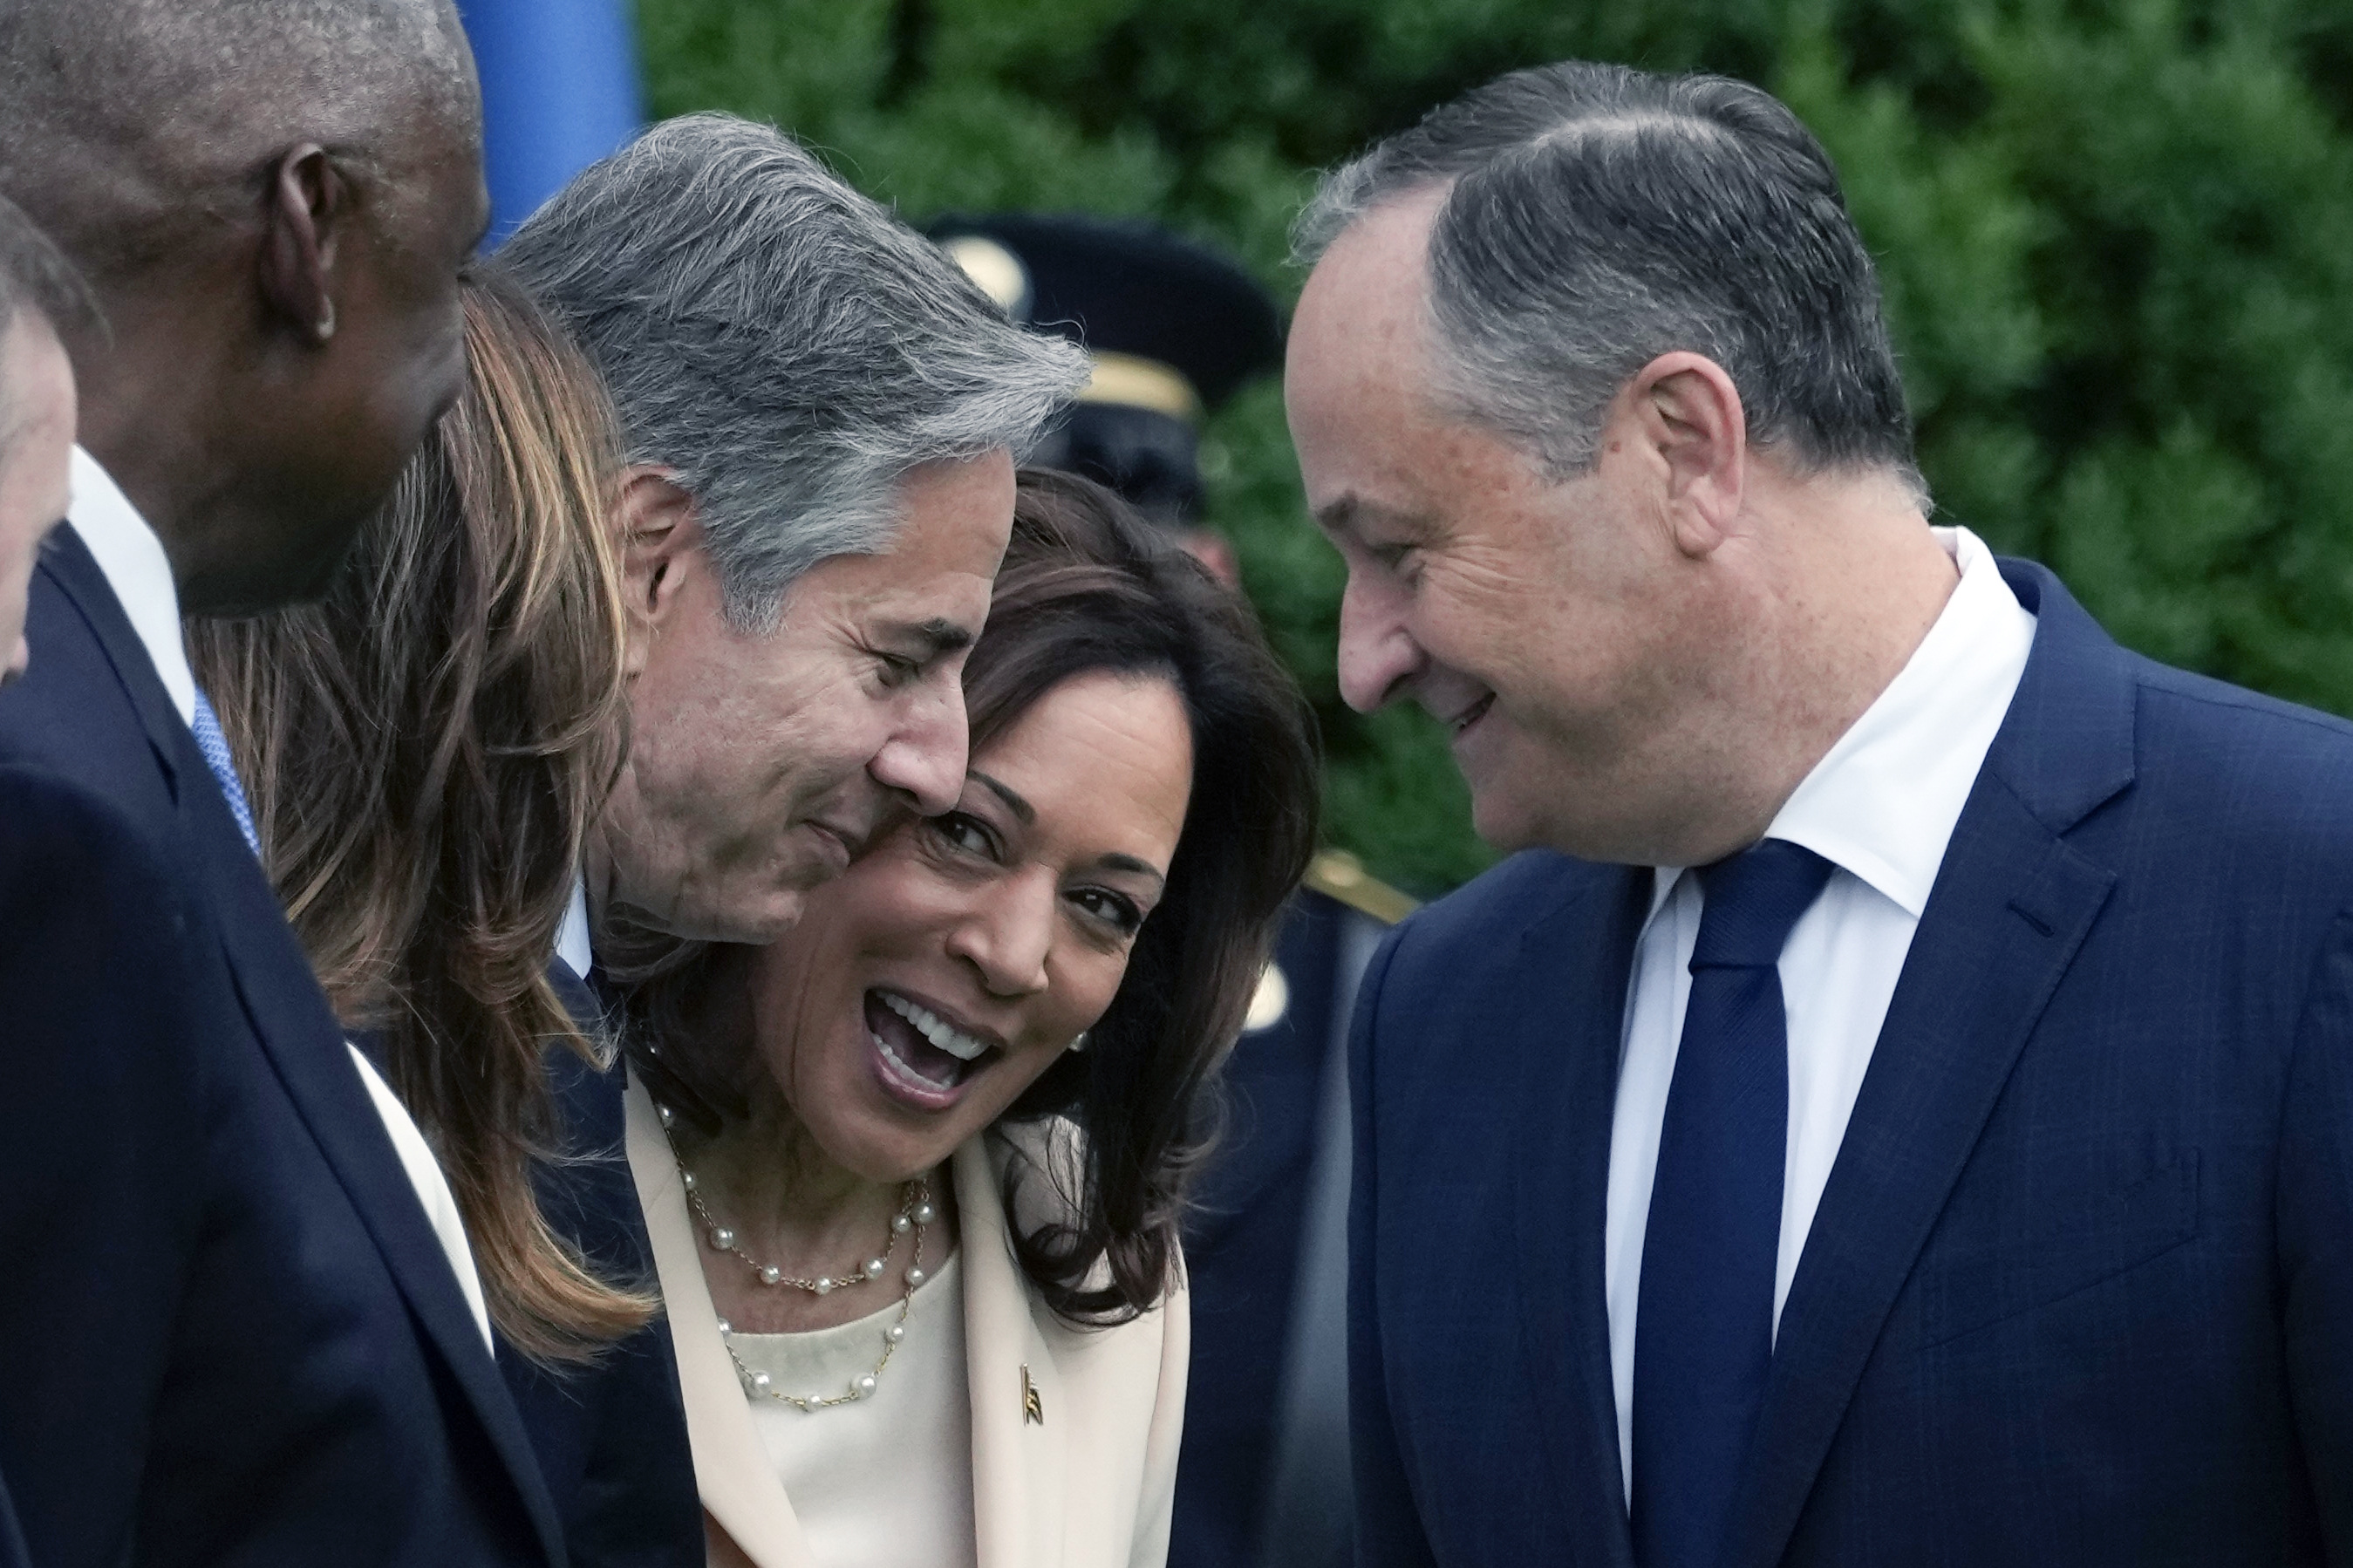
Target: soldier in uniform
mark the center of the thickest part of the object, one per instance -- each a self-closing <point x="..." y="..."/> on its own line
<point x="1174" y="328"/>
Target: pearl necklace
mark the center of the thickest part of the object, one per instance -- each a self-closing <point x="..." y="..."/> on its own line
<point x="914" y="1213"/>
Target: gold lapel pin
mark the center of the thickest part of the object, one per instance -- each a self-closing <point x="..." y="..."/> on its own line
<point x="1033" y="1409"/>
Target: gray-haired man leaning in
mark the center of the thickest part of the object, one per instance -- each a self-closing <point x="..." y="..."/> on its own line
<point x="821" y="415"/>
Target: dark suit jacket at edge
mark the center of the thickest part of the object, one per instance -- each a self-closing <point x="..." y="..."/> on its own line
<point x="13" y="1553"/>
<point x="611" y="1433"/>
<point x="232" y="1335"/>
<point x="2080" y="1290"/>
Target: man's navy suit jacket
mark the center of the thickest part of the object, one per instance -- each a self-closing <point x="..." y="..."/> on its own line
<point x="611" y="1433"/>
<point x="232" y="1336"/>
<point x="13" y="1553"/>
<point x="2080" y="1290"/>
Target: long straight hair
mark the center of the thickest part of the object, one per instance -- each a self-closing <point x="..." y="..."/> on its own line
<point x="425" y="750"/>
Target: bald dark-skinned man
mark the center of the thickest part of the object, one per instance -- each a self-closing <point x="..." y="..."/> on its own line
<point x="243" y="1325"/>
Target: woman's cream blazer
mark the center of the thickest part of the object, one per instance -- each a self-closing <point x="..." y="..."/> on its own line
<point x="1074" y="1431"/>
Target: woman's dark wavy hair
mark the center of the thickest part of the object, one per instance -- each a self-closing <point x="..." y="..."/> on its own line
<point x="1087" y="588"/>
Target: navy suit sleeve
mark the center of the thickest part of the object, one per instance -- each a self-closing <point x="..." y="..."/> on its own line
<point x="96" y="1046"/>
<point x="1389" y="1532"/>
<point x="2316" y="1237"/>
<point x="610" y="1436"/>
<point x="13" y="1553"/>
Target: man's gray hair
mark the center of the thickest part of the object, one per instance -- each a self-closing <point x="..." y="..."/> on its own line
<point x="35" y="277"/>
<point x="130" y="129"/>
<point x="1595" y="218"/>
<point x="785" y="347"/>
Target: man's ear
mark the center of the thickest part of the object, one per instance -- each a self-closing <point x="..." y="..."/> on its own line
<point x="308" y="206"/>
<point x="662" y="542"/>
<point x="1689" y="417"/>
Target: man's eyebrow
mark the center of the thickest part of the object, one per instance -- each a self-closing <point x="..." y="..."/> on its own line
<point x="1350" y="513"/>
<point x="938" y="635"/>
<point x="1010" y="796"/>
<point x="1338" y="515"/>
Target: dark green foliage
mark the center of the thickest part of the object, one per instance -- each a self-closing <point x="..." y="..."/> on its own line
<point x="2116" y="239"/>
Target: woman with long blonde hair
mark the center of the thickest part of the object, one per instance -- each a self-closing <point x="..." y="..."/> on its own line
<point x="425" y="750"/>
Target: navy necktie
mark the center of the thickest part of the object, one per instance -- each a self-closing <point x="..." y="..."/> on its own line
<point x="1704" y="1324"/>
<point x="214" y="747"/>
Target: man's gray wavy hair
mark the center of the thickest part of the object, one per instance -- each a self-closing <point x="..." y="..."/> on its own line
<point x="788" y="349"/>
<point x="1596" y="216"/>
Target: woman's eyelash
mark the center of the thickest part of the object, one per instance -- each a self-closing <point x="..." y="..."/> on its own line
<point x="959" y="833"/>
<point x="947" y="827"/>
<point x="1121" y="911"/>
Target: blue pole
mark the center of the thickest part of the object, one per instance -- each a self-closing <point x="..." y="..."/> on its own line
<point x="559" y="91"/>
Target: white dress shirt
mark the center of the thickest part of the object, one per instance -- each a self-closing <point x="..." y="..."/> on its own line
<point x="1880" y="806"/>
<point x="572" y="936"/>
<point x="132" y="560"/>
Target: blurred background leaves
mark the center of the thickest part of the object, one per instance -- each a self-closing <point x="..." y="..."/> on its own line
<point x="2116" y="238"/>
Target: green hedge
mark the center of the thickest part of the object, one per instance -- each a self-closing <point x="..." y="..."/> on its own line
<point x="2117" y="241"/>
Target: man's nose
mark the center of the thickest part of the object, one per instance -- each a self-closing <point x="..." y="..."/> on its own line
<point x="1377" y="653"/>
<point x="924" y="758"/>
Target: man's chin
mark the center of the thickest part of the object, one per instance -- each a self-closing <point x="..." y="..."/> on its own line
<point x="1505" y="825"/>
<point x="758" y="921"/>
<point x="1512" y="814"/>
<point x="754" y="919"/>
<point x="1527" y="795"/>
<point x="1506" y="809"/>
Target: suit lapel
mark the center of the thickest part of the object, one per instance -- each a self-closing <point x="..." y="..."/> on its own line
<point x="305" y="1047"/>
<point x="1571" y="1022"/>
<point x="301" y="1036"/>
<point x="738" y="1486"/>
<point x="2010" y="908"/>
<point x="70" y="566"/>
<point x="1019" y="1465"/>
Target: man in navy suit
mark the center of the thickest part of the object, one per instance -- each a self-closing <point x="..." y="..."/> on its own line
<point x="1898" y="1106"/>
<point x="39" y="288"/>
<point x="242" y="1321"/>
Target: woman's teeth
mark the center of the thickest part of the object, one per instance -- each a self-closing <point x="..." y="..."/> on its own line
<point x="912" y="1075"/>
<point x="943" y="1034"/>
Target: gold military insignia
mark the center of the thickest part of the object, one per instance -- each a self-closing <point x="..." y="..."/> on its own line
<point x="1033" y="1409"/>
<point x="1336" y="874"/>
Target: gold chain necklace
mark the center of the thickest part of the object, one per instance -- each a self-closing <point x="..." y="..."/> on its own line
<point x="914" y="1213"/>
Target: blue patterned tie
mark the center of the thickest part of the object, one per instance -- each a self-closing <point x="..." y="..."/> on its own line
<point x="1703" y="1325"/>
<point x="214" y="747"/>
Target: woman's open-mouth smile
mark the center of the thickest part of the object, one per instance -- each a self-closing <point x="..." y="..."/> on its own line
<point x="921" y="1057"/>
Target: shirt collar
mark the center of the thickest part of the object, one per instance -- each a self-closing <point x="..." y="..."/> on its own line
<point x="1882" y="803"/>
<point x="132" y="560"/>
<point x="572" y="943"/>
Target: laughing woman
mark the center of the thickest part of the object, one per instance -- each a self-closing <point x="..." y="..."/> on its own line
<point x="913" y="1174"/>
